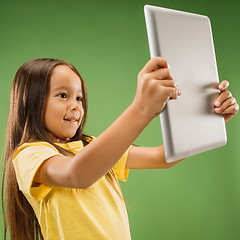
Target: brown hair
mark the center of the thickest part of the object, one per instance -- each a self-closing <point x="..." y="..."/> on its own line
<point x="25" y="124"/>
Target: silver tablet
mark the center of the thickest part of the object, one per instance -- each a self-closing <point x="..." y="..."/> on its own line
<point x="189" y="124"/>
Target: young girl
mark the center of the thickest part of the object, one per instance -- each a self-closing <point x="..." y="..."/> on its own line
<point x="61" y="183"/>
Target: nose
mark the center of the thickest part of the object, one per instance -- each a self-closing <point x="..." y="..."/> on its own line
<point x="75" y="105"/>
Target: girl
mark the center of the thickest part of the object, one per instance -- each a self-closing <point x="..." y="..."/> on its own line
<point x="61" y="183"/>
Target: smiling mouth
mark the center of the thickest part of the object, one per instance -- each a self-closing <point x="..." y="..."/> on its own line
<point x="71" y="120"/>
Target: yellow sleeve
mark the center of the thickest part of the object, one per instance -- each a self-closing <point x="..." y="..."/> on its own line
<point x="120" y="168"/>
<point x="26" y="161"/>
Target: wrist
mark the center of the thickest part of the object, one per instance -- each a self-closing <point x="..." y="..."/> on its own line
<point x="141" y="112"/>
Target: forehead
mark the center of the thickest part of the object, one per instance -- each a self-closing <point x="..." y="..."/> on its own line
<point x="64" y="77"/>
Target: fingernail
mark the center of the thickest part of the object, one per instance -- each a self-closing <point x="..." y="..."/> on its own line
<point x="217" y="104"/>
<point x="179" y="92"/>
<point x="218" y="110"/>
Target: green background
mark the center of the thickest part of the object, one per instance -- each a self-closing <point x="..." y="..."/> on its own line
<point x="107" y="42"/>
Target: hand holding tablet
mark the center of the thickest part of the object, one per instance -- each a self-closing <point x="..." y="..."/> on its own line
<point x="189" y="124"/>
<point x="155" y="86"/>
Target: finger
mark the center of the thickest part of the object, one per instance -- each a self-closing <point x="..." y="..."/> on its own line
<point x="162" y="73"/>
<point x="172" y="93"/>
<point x="169" y="83"/>
<point x="223" y="85"/>
<point x="223" y="97"/>
<point x="154" y="64"/>
<point x="171" y="88"/>
<point x="232" y="109"/>
<point x="229" y="102"/>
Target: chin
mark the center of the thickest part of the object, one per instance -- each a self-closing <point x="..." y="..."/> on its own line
<point x="70" y="136"/>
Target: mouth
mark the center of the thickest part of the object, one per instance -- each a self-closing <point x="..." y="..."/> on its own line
<point x="71" y="120"/>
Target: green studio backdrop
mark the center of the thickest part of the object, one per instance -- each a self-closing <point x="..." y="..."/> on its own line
<point x="107" y="42"/>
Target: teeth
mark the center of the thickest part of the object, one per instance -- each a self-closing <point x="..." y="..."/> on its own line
<point x="71" y="120"/>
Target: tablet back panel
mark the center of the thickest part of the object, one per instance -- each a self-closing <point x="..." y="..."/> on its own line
<point x="189" y="124"/>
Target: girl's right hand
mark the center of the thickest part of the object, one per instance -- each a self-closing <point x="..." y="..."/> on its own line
<point x="155" y="87"/>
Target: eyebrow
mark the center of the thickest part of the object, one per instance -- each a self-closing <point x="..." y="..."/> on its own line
<point x="65" y="88"/>
<point x="60" y="88"/>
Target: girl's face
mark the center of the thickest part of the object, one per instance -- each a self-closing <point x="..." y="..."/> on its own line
<point x="63" y="111"/>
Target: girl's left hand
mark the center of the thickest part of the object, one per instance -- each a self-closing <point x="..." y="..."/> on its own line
<point x="226" y="104"/>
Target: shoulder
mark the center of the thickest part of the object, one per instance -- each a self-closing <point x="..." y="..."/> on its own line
<point x="28" y="157"/>
<point x="34" y="147"/>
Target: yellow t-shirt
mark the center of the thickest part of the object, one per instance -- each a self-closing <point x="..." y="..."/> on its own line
<point x="95" y="213"/>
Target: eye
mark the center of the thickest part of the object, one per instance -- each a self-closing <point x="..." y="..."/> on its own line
<point x="80" y="98"/>
<point x="62" y="95"/>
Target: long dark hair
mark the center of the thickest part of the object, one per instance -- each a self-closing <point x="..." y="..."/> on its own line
<point x="29" y="92"/>
<point x="25" y="124"/>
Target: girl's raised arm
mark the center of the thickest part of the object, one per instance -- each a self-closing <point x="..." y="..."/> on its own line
<point x="154" y="88"/>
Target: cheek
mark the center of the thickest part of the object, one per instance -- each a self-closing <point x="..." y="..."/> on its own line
<point x="52" y="113"/>
<point x="81" y="114"/>
<point x="81" y="110"/>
